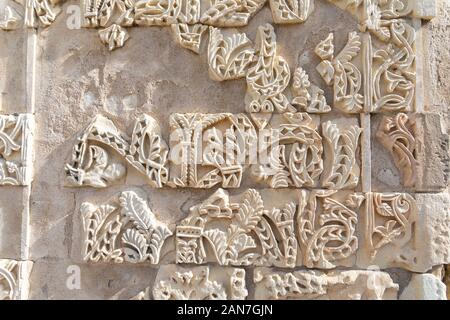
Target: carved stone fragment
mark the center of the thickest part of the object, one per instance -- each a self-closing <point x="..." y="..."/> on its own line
<point x="293" y="155"/>
<point x="228" y="57"/>
<point x="14" y="279"/>
<point x="267" y="79"/>
<point x="146" y="151"/>
<point x="189" y="36"/>
<point x="16" y="149"/>
<point x="316" y="285"/>
<point x="291" y="11"/>
<point x="397" y="135"/>
<point x="341" y="169"/>
<point x="251" y="234"/>
<point x="199" y="283"/>
<point x="198" y="156"/>
<point x="113" y="37"/>
<point x="124" y="229"/>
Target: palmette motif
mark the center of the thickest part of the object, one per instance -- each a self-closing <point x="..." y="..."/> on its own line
<point x="294" y="153"/>
<point x="16" y="139"/>
<point x="396" y="135"/>
<point x="342" y="73"/>
<point x="123" y="229"/>
<point x="341" y="170"/>
<point x="252" y="235"/>
<point x="176" y="283"/>
<point x="228" y="57"/>
<point x="146" y="151"/>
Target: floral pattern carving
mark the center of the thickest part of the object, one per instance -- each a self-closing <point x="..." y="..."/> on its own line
<point x="146" y="151"/>
<point x="248" y="223"/>
<point x="213" y="166"/>
<point x="396" y="134"/>
<point x="16" y="139"/>
<point x="177" y="283"/>
<point x="229" y="57"/>
<point x="391" y="221"/>
<point x="296" y="11"/>
<point x="341" y="171"/>
<point x="123" y="229"/>
<point x="327" y="234"/>
<point x="294" y="153"/>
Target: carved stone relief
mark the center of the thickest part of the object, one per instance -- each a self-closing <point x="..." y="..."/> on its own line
<point x="199" y="283"/>
<point x="92" y="163"/>
<point x="14" y="279"/>
<point x="316" y="285"/>
<point x="124" y="229"/>
<point x="16" y="139"/>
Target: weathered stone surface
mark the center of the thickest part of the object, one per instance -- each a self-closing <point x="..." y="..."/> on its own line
<point x="335" y="285"/>
<point x="424" y="287"/>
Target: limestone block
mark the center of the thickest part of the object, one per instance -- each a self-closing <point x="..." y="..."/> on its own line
<point x="13" y="56"/>
<point x="316" y="285"/>
<point x="14" y="279"/>
<point x="199" y="283"/>
<point x="405" y="231"/>
<point x="13" y="209"/>
<point x="433" y="153"/>
<point x="424" y="287"/>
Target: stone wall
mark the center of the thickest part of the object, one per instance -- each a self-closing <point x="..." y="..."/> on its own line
<point x="224" y="150"/>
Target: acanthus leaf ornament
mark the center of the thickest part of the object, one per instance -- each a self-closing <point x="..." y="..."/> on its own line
<point x="228" y="57"/>
<point x="248" y="223"/>
<point x="341" y="170"/>
<point x="124" y="229"/>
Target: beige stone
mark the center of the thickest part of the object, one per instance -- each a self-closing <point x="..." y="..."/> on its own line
<point x="316" y="285"/>
<point x="424" y="287"/>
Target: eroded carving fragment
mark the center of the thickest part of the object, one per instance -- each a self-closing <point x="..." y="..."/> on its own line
<point x="113" y="37"/>
<point x="336" y="285"/>
<point x="308" y="97"/>
<point x="189" y="36"/>
<point x="92" y="163"/>
<point x="199" y="283"/>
